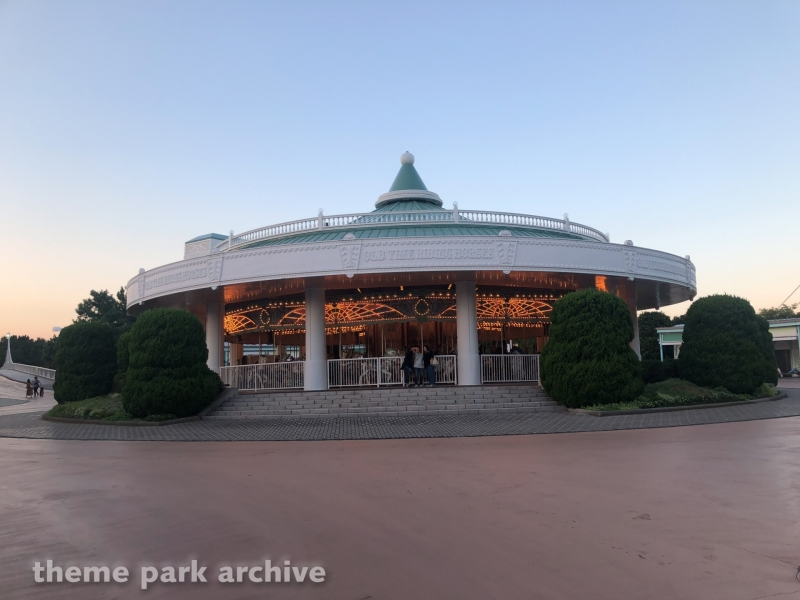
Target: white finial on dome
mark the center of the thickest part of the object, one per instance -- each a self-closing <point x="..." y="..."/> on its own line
<point x="407" y="158"/>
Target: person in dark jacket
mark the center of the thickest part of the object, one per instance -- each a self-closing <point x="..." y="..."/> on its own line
<point x="430" y="369"/>
<point x="408" y="368"/>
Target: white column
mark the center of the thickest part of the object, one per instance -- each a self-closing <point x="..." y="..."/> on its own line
<point x="236" y="354"/>
<point x="316" y="365"/>
<point x="631" y="302"/>
<point x="215" y="335"/>
<point x="469" y="362"/>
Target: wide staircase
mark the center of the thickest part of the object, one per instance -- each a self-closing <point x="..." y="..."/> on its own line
<point x="388" y="402"/>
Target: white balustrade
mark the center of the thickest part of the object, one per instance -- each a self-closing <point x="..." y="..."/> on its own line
<point x="501" y="368"/>
<point x="446" y="371"/>
<point x="372" y="372"/>
<point x="267" y="376"/>
<point x="31" y="370"/>
<point x="354" y="372"/>
<point x="378" y="219"/>
<point x="382" y="371"/>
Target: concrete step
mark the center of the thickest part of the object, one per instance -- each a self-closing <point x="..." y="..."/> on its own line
<point x="343" y="405"/>
<point x="442" y="400"/>
<point x="419" y="411"/>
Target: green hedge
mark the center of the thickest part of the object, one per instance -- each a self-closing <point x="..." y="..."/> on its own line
<point x="167" y="371"/>
<point x="588" y="359"/>
<point x="654" y="371"/>
<point x="86" y="360"/>
<point x="648" y="336"/>
<point x="726" y="344"/>
<point x="123" y="359"/>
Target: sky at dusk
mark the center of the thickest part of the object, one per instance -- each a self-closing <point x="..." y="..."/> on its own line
<point x="127" y="128"/>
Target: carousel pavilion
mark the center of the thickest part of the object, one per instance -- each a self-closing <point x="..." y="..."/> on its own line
<point x="334" y="301"/>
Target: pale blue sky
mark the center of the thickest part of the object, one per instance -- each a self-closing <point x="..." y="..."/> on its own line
<point x="127" y="128"/>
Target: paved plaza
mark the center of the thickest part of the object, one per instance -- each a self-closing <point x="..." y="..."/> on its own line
<point x="645" y="509"/>
<point x="683" y="512"/>
<point x="23" y="421"/>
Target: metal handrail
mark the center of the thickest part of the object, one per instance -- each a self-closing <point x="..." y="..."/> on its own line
<point x="383" y="219"/>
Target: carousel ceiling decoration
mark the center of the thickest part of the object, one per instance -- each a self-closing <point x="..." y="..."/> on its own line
<point x="354" y="313"/>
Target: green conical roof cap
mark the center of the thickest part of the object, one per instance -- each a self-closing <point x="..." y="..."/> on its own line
<point x="408" y="190"/>
<point x="407" y="179"/>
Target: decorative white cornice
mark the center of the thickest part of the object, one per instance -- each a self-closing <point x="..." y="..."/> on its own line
<point x="422" y="254"/>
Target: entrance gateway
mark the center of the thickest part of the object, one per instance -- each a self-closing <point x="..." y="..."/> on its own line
<point x="334" y="301"/>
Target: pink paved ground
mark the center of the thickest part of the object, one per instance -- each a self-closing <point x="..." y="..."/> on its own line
<point x="691" y="512"/>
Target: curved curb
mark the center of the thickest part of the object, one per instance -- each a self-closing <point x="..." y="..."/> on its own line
<point x="221" y="397"/>
<point x="647" y="411"/>
<point x="16" y="402"/>
<point x="120" y="423"/>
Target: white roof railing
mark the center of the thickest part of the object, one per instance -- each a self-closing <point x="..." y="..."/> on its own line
<point x="323" y="222"/>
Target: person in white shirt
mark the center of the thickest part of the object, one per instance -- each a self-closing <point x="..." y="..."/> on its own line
<point x="419" y="366"/>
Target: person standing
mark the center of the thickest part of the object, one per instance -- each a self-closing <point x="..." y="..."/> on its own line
<point x="36" y="386"/>
<point x="408" y="368"/>
<point x="419" y="366"/>
<point x="429" y="363"/>
<point x="29" y="389"/>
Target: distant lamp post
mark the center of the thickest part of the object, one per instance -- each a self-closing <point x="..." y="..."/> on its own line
<point x="8" y="350"/>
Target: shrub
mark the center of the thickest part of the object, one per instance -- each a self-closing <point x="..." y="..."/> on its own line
<point x="123" y="358"/>
<point x="648" y="336"/>
<point x="725" y="344"/>
<point x="167" y="371"/>
<point x="86" y="361"/>
<point x="654" y="371"/>
<point x="588" y="359"/>
<point x="675" y="392"/>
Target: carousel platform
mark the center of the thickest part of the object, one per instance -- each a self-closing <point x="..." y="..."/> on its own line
<point x="388" y="402"/>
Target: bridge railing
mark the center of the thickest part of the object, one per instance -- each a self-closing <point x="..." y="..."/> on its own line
<point x="31" y="370"/>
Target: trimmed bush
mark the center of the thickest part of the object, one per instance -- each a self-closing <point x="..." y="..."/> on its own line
<point x="167" y="372"/>
<point x="726" y="344"/>
<point x="654" y="371"/>
<point x="588" y="359"/>
<point x="123" y="358"/>
<point x="86" y="361"/>
<point x="648" y="336"/>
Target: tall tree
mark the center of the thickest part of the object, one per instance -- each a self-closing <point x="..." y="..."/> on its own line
<point x="102" y="307"/>
<point x="648" y="336"/>
<point x="780" y="312"/>
<point x="28" y="351"/>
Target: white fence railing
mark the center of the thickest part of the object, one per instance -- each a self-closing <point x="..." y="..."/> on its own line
<point x="31" y="370"/>
<point x="377" y="219"/>
<point x="376" y="372"/>
<point x="269" y="376"/>
<point x="446" y="369"/>
<point x="361" y="372"/>
<point x="501" y="368"/>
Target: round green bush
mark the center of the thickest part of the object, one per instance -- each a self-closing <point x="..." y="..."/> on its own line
<point x="86" y="360"/>
<point x="588" y="359"/>
<point x="726" y="344"/>
<point x="167" y="372"/>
